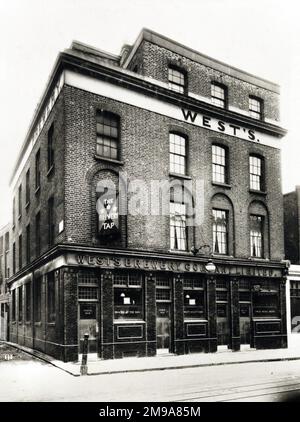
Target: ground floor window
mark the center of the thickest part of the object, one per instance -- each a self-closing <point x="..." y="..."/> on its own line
<point x="37" y="299"/>
<point x="266" y="299"/>
<point x="194" y="298"/>
<point x="128" y="296"/>
<point x="51" y="297"/>
<point x="28" y="301"/>
<point x="295" y="306"/>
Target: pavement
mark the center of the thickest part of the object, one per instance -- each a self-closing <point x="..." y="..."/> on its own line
<point x="165" y="361"/>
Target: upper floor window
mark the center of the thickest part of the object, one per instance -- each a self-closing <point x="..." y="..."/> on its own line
<point x="20" y="251"/>
<point x="51" y="225"/>
<point x="256" y="236"/>
<point x="177" y="80"/>
<point x="108" y="127"/>
<point x="218" y="94"/>
<point x="256" y="173"/>
<point x="38" y="234"/>
<point x="20" y="200"/>
<point x="37" y="169"/>
<point x="255" y="107"/>
<point x="14" y="211"/>
<point x="50" y="148"/>
<point x="27" y="193"/>
<point x="178" y="229"/>
<point x="28" y="244"/>
<point x="177" y="153"/>
<point x="219" y="164"/>
<point x="220" y="231"/>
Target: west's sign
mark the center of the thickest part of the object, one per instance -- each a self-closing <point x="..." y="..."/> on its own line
<point x="219" y="125"/>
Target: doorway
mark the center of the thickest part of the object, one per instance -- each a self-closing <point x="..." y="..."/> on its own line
<point x="88" y="325"/>
<point x="163" y="326"/>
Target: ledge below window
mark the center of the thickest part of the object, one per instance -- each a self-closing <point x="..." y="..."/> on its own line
<point x="221" y="185"/>
<point x="180" y="176"/>
<point x="109" y="160"/>
<point x="258" y="192"/>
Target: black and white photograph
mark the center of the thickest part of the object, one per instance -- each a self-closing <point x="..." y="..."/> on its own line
<point x="149" y="205"/>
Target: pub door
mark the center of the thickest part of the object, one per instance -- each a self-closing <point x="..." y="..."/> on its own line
<point x="163" y="326"/>
<point x="245" y="323"/>
<point x="223" y="314"/>
<point x="223" y="327"/>
<point x="87" y="324"/>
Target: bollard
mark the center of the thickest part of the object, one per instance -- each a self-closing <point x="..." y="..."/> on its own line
<point x="83" y="367"/>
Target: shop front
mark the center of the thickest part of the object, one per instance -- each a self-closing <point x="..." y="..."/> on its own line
<point x="134" y="304"/>
<point x="143" y="306"/>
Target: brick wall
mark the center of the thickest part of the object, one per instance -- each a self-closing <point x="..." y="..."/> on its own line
<point x="52" y="184"/>
<point x="145" y="156"/>
<point x="153" y="61"/>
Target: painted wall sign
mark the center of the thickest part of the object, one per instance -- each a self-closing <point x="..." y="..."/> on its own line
<point x="220" y="126"/>
<point x="125" y="95"/>
<point x="150" y="264"/>
<point x="108" y="215"/>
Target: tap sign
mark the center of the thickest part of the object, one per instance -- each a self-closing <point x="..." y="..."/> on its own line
<point x="108" y="215"/>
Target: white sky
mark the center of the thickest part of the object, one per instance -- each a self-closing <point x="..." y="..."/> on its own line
<point x="259" y="36"/>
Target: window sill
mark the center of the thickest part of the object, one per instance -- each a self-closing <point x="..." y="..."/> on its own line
<point x="258" y="192"/>
<point x="109" y="160"/>
<point x="27" y="322"/>
<point x="178" y="252"/>
<point x="129" y="321"/>
<point x="38" y="324"/>
<point x="188" y="320"/>
<point x="27" y="205"/>
<point x="221" y="185"/>
<point x="51" y="324"/>
<point x="181" y="176"/>
<point x="37" y="190"/>
<point x="253" y="258"/>
<point x="50" y="171"/>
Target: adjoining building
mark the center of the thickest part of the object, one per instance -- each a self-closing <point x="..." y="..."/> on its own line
<point x="4" y="275"/>
<point x="291" y="203"/>
<point x="141" y="283"/>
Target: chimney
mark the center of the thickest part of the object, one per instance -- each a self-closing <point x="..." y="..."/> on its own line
<point x="125" y="50"/>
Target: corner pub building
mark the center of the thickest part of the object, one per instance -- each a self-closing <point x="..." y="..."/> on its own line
<point x="157" y="111"/>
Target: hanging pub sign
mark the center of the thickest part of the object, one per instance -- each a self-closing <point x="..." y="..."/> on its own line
<point x="108" y="215"/>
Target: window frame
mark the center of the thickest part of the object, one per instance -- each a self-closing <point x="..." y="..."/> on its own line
<point x="136" y="287"/>
<point x="50" y="148"/>
<point x="180" y="227"/>
<point x="51" y="223"/>
<point x="173" y="154"/>
<point x="215" y="99"/>
<point x="225" y="165"/>
<point x="262" y="175"/>
<point x="105" y="114"/>
<point x="38" y="169"/>
<point x="254" y="114"/>
<point x="51" y="297"/>
<point x="215" y="232"/>
<point x="172" y="85"/>
<point x="262" y="240"/>
<point x="27" y="188"/>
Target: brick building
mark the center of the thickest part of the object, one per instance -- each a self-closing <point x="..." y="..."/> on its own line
<point x="4" y="275"/>
<point x="144" y="282"/>
<point x="291" y="211"/>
